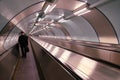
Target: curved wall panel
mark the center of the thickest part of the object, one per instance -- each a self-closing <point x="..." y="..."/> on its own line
<point x="12" y="38"/>
<point x="23" y="25"/>
<point x="102" y="26"/>
<point x="48" y="33"/>
<point x="112" y="12"/>
<point x="80" y="31"/>
<point x="3" y="22"/>
<point x="58" y="33"/>
<point x="8" y="10"/>
<point x="83" y="27"/>
<point x="64" y="30"/>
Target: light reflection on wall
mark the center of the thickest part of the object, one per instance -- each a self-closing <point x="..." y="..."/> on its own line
<point x="1" y="48"/>
<point x="46" y="45"/>
<point x="81" y="74"/>
<point x="49" y="47"/>
<point x="55" y="51"/>
<point x="5" y="10"/>
<point x="1" y="40"/>
<point x="1" y="44"/>
<point x="108" y="40"/>
<point x="79" y="5"/>
<point x="87" y="66"/>
<point x="65" y="56"/>
<point x="20" y="27"/>
<point x="42" y="43"/>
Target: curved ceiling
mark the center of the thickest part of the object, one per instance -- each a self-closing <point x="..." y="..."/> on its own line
<point x="98" y="20"/>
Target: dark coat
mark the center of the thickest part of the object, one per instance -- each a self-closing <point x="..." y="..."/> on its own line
<point x="23" y="40"/>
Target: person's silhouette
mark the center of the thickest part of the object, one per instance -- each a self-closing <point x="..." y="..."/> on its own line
<point x="23" y="41"/>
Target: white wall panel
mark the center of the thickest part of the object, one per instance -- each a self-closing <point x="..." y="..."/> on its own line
<point x="79" y="29"/>
<point x="58" y="33"/>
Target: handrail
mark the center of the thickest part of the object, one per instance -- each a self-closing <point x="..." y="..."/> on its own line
<point x="97" y="65"/>
<point x="103" y="46"/>
<point x="86" y="44"/>
<point x="65" y="66"/>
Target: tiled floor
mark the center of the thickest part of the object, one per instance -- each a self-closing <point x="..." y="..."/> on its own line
<point x="26" y="68"/>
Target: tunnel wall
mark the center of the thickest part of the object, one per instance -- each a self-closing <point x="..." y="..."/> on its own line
<point x="7" y="63"/>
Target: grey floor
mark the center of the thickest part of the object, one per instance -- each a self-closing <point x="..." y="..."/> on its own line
<point x="26" y="68"/>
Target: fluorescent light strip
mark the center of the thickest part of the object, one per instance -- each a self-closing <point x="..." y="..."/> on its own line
<point x="52" y="7"/>
<point x="37" y="14"/>
<point x="39" y="19"/>
<point x="47" y="8"/>
<point x="82" y="11"/>
<point x="61" y="20"/>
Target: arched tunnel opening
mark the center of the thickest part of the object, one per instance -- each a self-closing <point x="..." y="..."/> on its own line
<point x="68" y="39"/>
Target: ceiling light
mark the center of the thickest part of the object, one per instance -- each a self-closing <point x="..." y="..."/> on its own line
<point x="37" y="14"/>
<point x="47" y="8"/>
<point x="61" y="20"/>
<point x="52" y="7"/>
<point x="81" y="12"/>
<point x="39" y="19"/>
<point x="84" y="13"/>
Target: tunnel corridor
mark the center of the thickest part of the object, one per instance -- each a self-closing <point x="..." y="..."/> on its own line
<point x="68" y="39"/>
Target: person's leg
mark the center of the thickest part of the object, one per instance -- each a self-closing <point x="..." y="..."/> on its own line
<point x="22" y="49"/>
<point x="24" y="54"/>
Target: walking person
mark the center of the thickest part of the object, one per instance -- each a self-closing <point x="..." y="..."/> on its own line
<point x="23" y="42"/>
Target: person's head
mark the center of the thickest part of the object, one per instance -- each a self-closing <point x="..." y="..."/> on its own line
<point x="22" y="33"/>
